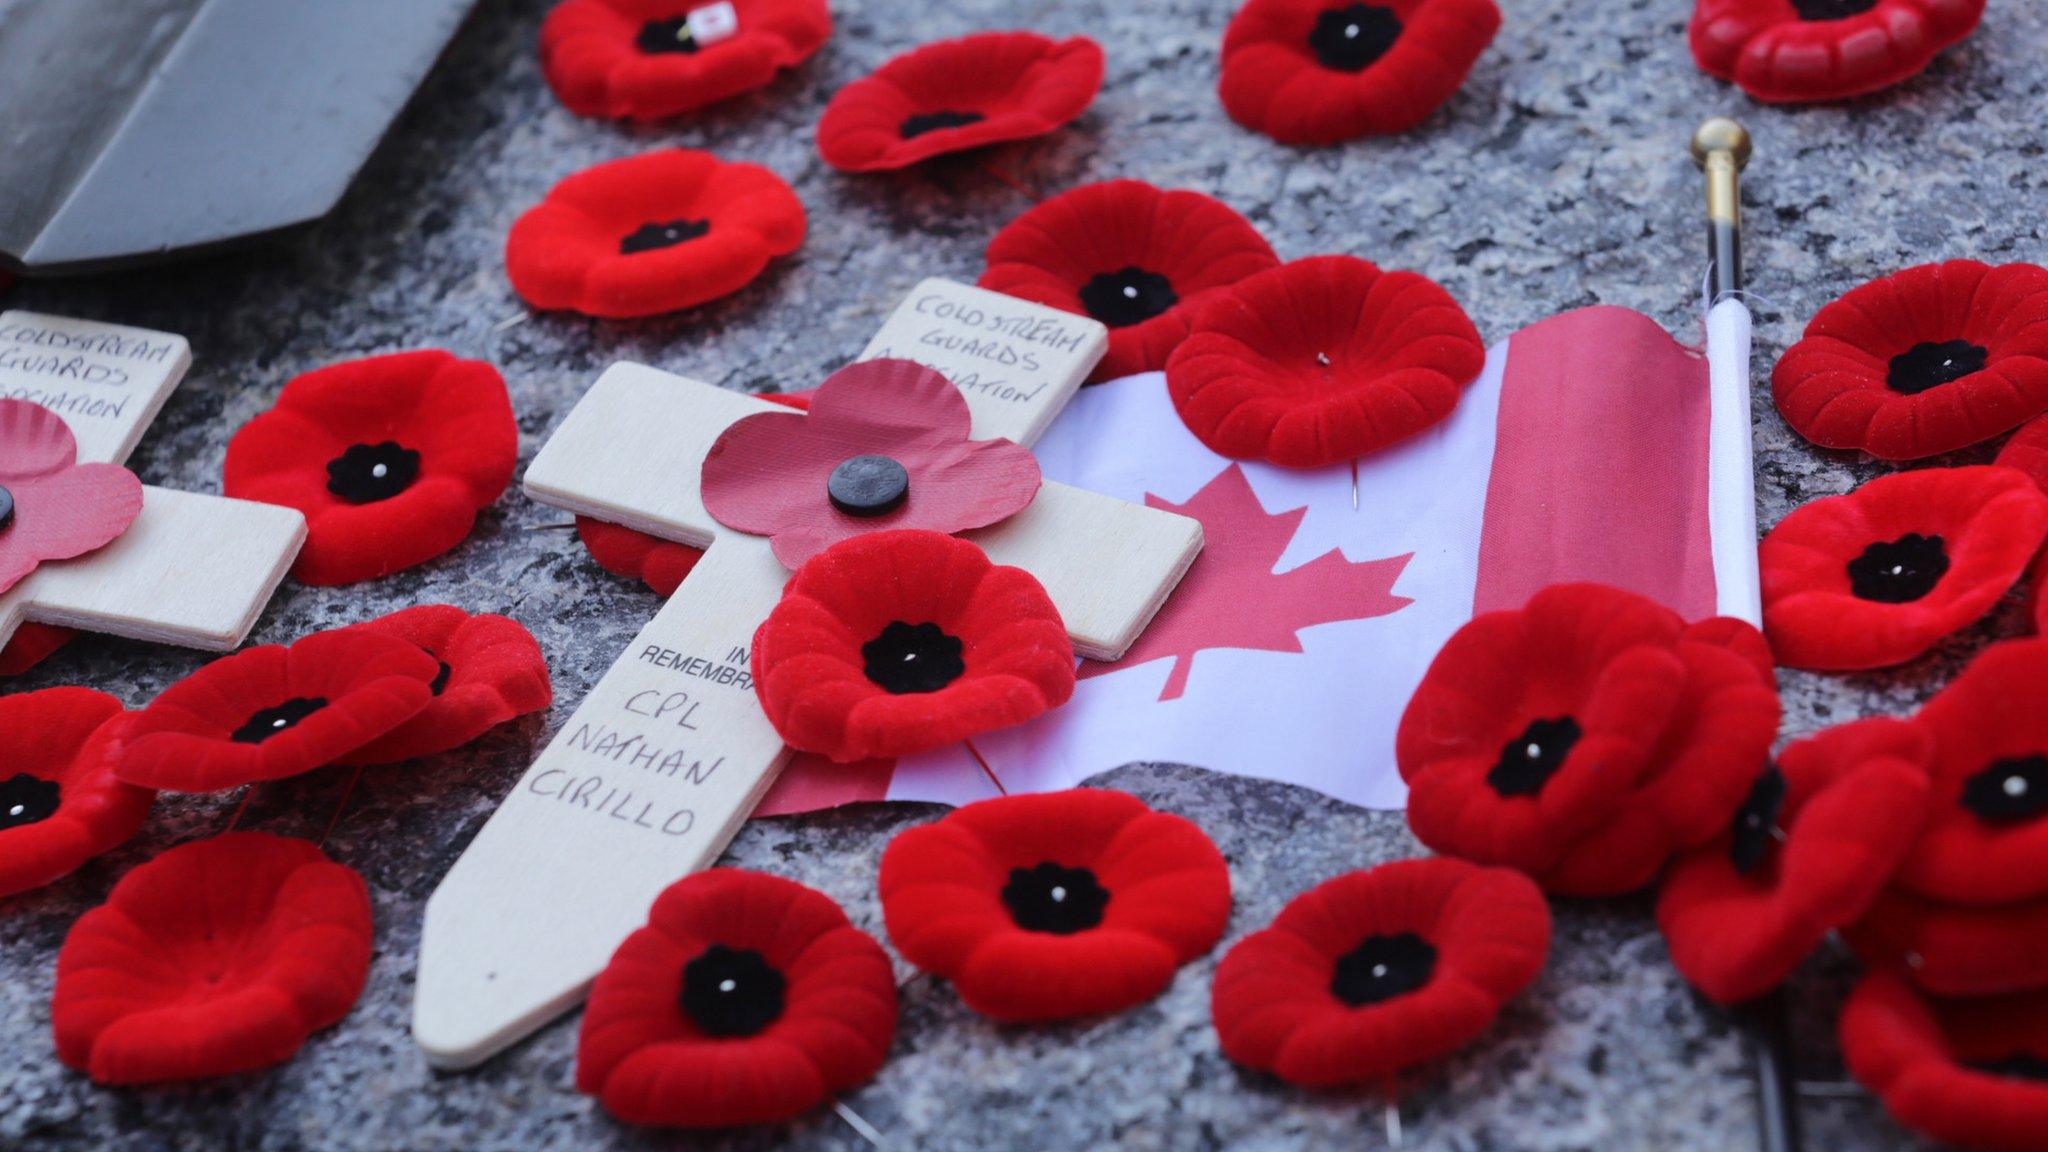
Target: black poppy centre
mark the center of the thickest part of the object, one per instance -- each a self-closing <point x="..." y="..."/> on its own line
<point x="909" y="658"/>
<point x="269" y="722"/>
<point x="1056" y="899"/>
<point x="1353" y="39"/>
<point x="655" y="235"/>
<point x="1899" y="571"/>
<point x="26" y="799"/>
<point x="1528" y="761"/>
<point x="440" y="683"/>
<point x="1930" y="365"/>
<point x="732" y="991"/>
<point x="923" y="122"/>
<point x="1382" y="968"/>
<point x="367" y="473"/>
<point x="868" y="485"/>
<point x="1822" y="10"/>
<point x="660" y="37"/>
<point x="1756" y="823"/>
<point x="6" y="509"/>
<point x="2009" y="790"/>
<point x="1127" y="296"/>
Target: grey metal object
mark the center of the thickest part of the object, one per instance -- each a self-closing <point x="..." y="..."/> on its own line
<point x="137" y="129"/>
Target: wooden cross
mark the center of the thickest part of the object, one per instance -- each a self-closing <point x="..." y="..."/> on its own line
<point x="669" y="753"/>
<point x="192" y="570"/>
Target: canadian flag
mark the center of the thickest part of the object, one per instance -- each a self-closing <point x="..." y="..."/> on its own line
<point x="1593" y="447"/>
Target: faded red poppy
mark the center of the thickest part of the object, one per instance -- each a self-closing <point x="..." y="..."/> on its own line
<point x="391" y="458"/>
<point x="1804" y="51"/>
<point x="60" y="804"/>
<point x="885" y="445"/>
<point x="1971" y="1073"/>
<point x="1324" y="71"/>
<point x="1380" y="970"/>
<point x="746" y="999"/>
<point x="649" y="234"/>
<point x="491" y="670"/>
<point x="951" y="95"/>
<point x="1879" y="576"/>
<point x="1702" y="767"/>
<point x="51" y="506"/>
<point x="1322" y="360"/>
<point x="276" y="711"/>
<point x="30" y="645"/>
<point x="1921" y="362"/>
<point x="1137" y="258"/>
<point x="1533" y="726"/>
<point x="900" y="642"/>
<point x="219" y="956"/>
<point x="1809" y="850"/>
<point x="652" y="59"/>
<point x="1055" y="905"/>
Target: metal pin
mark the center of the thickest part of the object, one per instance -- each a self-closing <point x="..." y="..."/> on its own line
<point x="1354" y="483"/>
<point x="510" y="322"/>
<point x="868" y="1132"/>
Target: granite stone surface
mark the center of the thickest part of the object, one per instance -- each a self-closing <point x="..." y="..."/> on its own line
<point x="1557" y="178"/>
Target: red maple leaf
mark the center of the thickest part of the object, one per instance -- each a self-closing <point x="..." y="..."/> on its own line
<point x="1232" y="598"/>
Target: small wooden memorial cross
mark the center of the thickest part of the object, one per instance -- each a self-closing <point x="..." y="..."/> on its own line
<point x="192" y="570"/>
<point x="669" y="753"/>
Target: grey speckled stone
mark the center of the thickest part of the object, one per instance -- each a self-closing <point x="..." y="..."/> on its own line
<point x="1557" y="178"/>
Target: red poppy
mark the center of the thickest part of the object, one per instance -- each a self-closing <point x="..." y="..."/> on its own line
<point x="1808" y="852"/>
<point x="1972" y="1073"/>
<point x="276" y="711"/>
<point x="1056" y="905"/>
<point x="650" y="234"/>
<point x="1804" y="51"/>
<point x="491" y="670"/>
<point x="901" y="642"/>
<point x="1137" y="258"/>
<point x="1531" y="727"/>
<point x="652" y="59"/>
<point x="1322" y="360"/>
<point x="1324" y="71"/>
<point x="747" y="999"/>
<point x="2028" y="451"/>
<point x="1702" y="768"/>
<point x="1954" y="949"/>
<point x="1921" y="362"/>
<point x="30" y="645"/>
<point x="60" y="804"/>
<point x="948" y="96"/>
<point x="390" y="458"/>
<point x="885" y="445"/>
<point x="1986" y="842"/>
<point x="51" y="506"/>
<point x="1879" y="576"/>
<point x="219" y="956"/>
<point x="1379" y="970"/>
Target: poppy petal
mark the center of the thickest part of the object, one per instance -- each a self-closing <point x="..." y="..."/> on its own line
<point x="1962" y="1072"/>
<point x="1807" y="51"/>
<point x="30" y="645"/>
<point x="644" y="60"/>
<point x="492" y="670"/>
<point x="60" y="804"/>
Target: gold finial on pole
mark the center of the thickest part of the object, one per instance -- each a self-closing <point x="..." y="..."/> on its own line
<point x="1721" y="147"/>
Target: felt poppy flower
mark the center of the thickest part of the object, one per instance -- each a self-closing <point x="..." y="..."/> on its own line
<point x="1812" y="846"/>
<point x="275" y="711"/>
<point x="60" y="804"/>
<point x="952" y="95"/>
<point x="650" y="234"/>
<point x="390" y="458"/>
<point x="652" y="59"/>
<point x="884" y="446"/>
<point x="51" y="506"/>
<point x="1921" y="362"/>
<point x="1955" y="949"/>
<point x="1879" y="576"/>
<point x="1804" y="51"/>
<point x="2028" y="451"/>
<point x="901" y="642"/>
<point x="1056" y="905"/>
<point x="1970" y="1073"/>
<point x="1533" y="726"/>
<point x="1379" y="970"/>
<point x="30" y="645"/>
<point x="1139" y="259"/>
<point x="1701" y="769"/>
<point x="746" y="999"/>
<point x="219" y="956"/>
<point x="1324" y="71"/>
<point x="1322" y="360"/>
<point x="490" y="670"/>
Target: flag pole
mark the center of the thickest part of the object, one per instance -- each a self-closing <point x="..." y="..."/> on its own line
<point x="1721" y="147"/>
